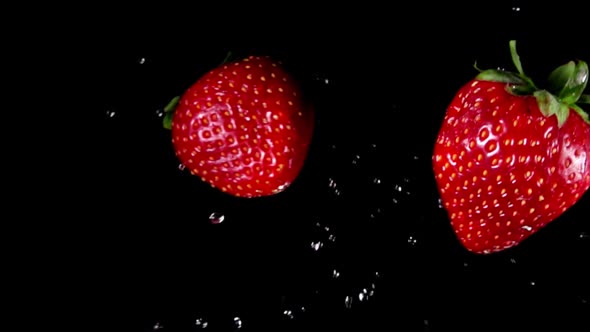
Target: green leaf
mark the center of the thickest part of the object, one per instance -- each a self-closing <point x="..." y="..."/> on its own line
<point x="500" y="76"/>
<point x="549" y="105"/>
<point x="169" y="112"/>
<point x="575" y="85"/>
<point x="518" y="64"/>
<point x="167" y="121"/>
<point x="515" y="57"/>
<point x="171" y="106"/>
<point x="584" y="99"/>
<point x="560" y="77"/>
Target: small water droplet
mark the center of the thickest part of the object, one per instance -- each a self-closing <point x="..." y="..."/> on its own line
<point x="583" y="299"/>
<point x="201" y="323"/>
<point x="356" y="159"/>
<point x="181" y="167"/>
<point x="237" y="323"/>
<point x="532" y="283"/>
<point x="332" y="238"/>
<point x="317" y="245"/>
<point x="465" y="264"/>
<point x="142" y="61"/>
<point x="376" y="213"/>
<point x="362" y="296"/>
<point x="334" y="187"/>
<point x="583" y="236"/>
<point x="527" y="228"/>
<point x="398" y="188"/>
<point x="348" y="302"/>
<point x="288" y="314"/>
<point x="216" y="218"/>
<point x="110" y="113"/>
<point x="158" y="326"/>
<point x="440" y="204"/>
<point x="515" y="9"/>
<point x="412" y="241"/>
<point x="160" y="113"/>
<point x="335" y="274"/>
<point x="376" y="181"/>
<point x="512" y="260"/>
<point x="377" y="274"/>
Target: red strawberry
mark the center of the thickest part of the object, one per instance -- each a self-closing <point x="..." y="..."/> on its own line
<point x="244" y="128"/>
<point x="509" y="157"/>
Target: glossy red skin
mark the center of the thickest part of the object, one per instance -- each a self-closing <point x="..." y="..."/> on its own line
<point x="503" y="169"/>
<point x="244" y="128"/>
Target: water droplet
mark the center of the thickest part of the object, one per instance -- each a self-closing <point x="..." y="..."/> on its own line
<point x="356" y="159"/>
<point x="348" y="302"/>
<point x="237" y="323"/>
<point x="398" y="188"/>
<point x="335" y="274"/>
<point x="527" y="228"/>
<point x="334" y="187"/>
<point x="512" y="260"/>
<point x="317" y="245"/>
<point x="181" y="167"/>
<point x="465" y="264"/>
<point x="412" y="241"/>
<point x="110" y="113"/>
<point x="532" y="283"/>
<point x="216" y="218"/>
<point x="515" y="9"/>
<point x="160" y="113"/>
<point x="440" y="204"/>
<point x="375" y="214"/>
<point x="141" y="61"/>
<point x="583" y="299"/>
<point x="362" y="296"/>
<point x="332" y="238"/>
<point x="158" y="326"/>
<point x="376" y="181"/>
<point x="201" y="323"/>
<point x="583" y="236"/>
<point x="288" y="314"/>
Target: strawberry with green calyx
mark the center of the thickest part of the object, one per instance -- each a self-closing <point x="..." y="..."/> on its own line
<point x="511" y="157"/>
<point x="243" y="127"/>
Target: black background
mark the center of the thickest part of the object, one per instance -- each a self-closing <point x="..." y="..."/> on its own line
<point x="140" y="245"/>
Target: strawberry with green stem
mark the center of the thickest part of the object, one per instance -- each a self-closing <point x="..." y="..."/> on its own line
<point x="511" y="157"/>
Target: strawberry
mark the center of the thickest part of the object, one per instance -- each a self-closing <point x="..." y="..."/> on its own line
<point x="243" y="127"/>
<point x="510" y="157"/>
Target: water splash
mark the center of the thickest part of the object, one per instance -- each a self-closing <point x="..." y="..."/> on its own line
<point x="216" y="218"/>
<point x="317" y="245"/>
<point x="237" y="323"/>
<point x="348" y="302"/>
<point x="334" y="187"/>
<point x="201" y="323"/>
<point x="335" y="274"/>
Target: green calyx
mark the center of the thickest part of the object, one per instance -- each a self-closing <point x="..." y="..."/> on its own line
<point x="564" y="90"/>
<point x="169" y="112"/>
